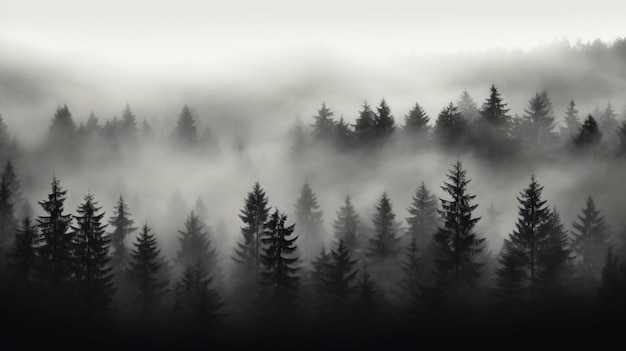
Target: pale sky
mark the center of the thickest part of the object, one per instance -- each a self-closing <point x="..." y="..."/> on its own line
<point x="204" y="31"/>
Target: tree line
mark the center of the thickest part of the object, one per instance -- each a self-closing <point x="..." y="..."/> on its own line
<point x="78" y="267"/>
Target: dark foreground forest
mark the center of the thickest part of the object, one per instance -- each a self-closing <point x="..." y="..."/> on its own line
<point x="143" y="271"/>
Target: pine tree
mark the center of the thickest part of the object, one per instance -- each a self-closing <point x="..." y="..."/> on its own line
<point x="324" y="128"/>
<point x="456" y="243"/>
<point x="589" y="242"/>
<point x="341" y="274"/>
<point x="196" y="249"/>
<point x="364" y="128"/>
<point x="424" y="219"/>
<point x="144" y="273"/>
<point x="22" y="257"/>
<point x="450" y="126"/>
<point x="186" y="133"/>
<point x="612" y="281"/>
<point x="254" y="216"/>
<point x="384" y="244"/>
<point x="589" y="134"/>
<point x="572" y="123"/>
<point x="319" y="274"/>
<point x="416" y="122"/>
<point x="122" y="225"/>
<point x="63" y="126"/>
<point x="54" y="249"/>
<point x="92" y="274"/>
<point x="556" y="262"/>
<point x="310" y="225"/>
<point x="493" y="110"/>
<point x="368" y="299"/>
<point x="201" y="210"/>
<point x="384" y="122"/>
<point x="411" y="268"/>
<point x="128" y="125"/>
<point x="7" y="218"/>
<point x="608" y="125"/>
<point x="279" y="279"/>
<point x="347" y="226"/>
<point x="467" y="107"/>
<point x="344" y="135"/>
<point x="538" y="121"/>
<point x="197" y="300"/>
<point x="14" y="184"/>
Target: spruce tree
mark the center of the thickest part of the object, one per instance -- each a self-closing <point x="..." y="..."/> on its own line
<point x="412" y="274"/>
<point x="590" y="235"/>
<point x="364" y="128"/>
<point x="416" y="122"/>
<point x="347" y="226"/>
<point x="319" y="274"/>
<point x="196" y="249"/>
<point x="310" y="225"/>
<point x="7" y="218"/>
<point x="122" y="225"/>
<point x="341" y="274"/>
<point x="324" y="127"/>
<point x="613" y="281"/>
<point x="385" y="243"/>
<point x="279" y="279"/>
<point x="556" y="261"/>
<point x="538" y="121"/>
<point x="450" y="126"/>
<point x="467" y="107"/>
<point x="144" y="271"/>
<point x="608" y="125"/>
<point x="5" y="138"/>
<point x="63" y="127"/>
<point x="22" y="257"/>
<point x="92" y="273"/>
<point x="186" y="133"/>
<point x="343" y="134"/>
<point x="493" y="110"/>
<point x="424" y="219"/>
<point x="197" y="301"/>
<point x="128" y="125"/>
<point x="572" y="123"/>
<point x="254" y="216"/>
<point x="589" y="133"/>
<point x="458" y="246"/>
<point x="384" y="122"/>
<point x="13" y="182"/>
<point x="54" y="249"/>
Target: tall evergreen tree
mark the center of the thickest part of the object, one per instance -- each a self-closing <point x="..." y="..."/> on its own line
<point x="384" y="122"/>
<point x="347" y="226"/>
<point x="7" y="218"/>
<point x="196" y="249"/>
<point x="493" y="110"/>
<point x="197" y="301"/>
<point x="538" y="121"/>
<point x="15" y="188"/>
<point x="424" y="219"/>
<point x="186" y="133"/>
<point x="450" y="126"/>
<point x="343" y="134"/>
<point x="467" y="107"/>
<point x="144" y="273"/>
<point x="385" y="243"/>
<point x="128" y="125"/>
<point x="92" y="274"/>
<point x="5" y="137"/>
<point x="608" y="125"/>
<point x="122" y="225"/>
<point x="63" y="126"/>
<point x="416" y="122"/>
<point x="364" y="128"/>
<point x="310" y="225"/>
<point x="572" y="123"/>
<point x="412" y="274"/>
<point x="589" y="134"/>
<point x="22" y="257"/>
<point x="279" y="279"/>
<point x="324" y="127"/>
<point x="613" y="281"/>
<point x="54" y="249"/>
<point x="457" y="244"/>
<point x="590" y="237"/>
<point x="254" y="216"/>
<point x="341" y="274"/>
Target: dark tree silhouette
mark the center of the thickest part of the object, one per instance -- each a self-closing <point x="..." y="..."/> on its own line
<point x="424" y="218"/>
<point x="310" y="225"/>
<point x="590" y="240"/>
<point x="324" y="127"/>
<point x="344" y="135"/>
<point x="92" y="273"/>
<point x="347" y="226"/>
<point x="186" y="133"/>
<point x="412" y="275"/>
<point x="364" y="128"/>
<point x="572" y="123"/>
<point x="416" y="121"/>
<point x="450" y="127"/>
<point x="63" y="127"/>
<point x="22" y="257"/>
<point x="613" y="280"/>
<point x="279" y="279"/>
<point x="589" y="134"/>
<point x="7" y="218"/>
<point x="196" y="249"/>
<point x="144" y="273"/>
<point x="538" y="122"/>
<point x="54" y="249"/>
<point x="197" y="302"/>
<point x="254" y="216"/>
<point x="384" y="122"/>
<point x="493" y="110"/>
<point x="15" y="188"/>
<point x="122" y="225"/>
<point x="385" y="243"/>
<point x="457" y="245"/>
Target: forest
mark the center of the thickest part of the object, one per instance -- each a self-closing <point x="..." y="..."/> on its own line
<point x="472" y="221"/>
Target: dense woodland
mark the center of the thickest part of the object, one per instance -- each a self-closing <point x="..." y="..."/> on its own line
<point x="309" y="275"/>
